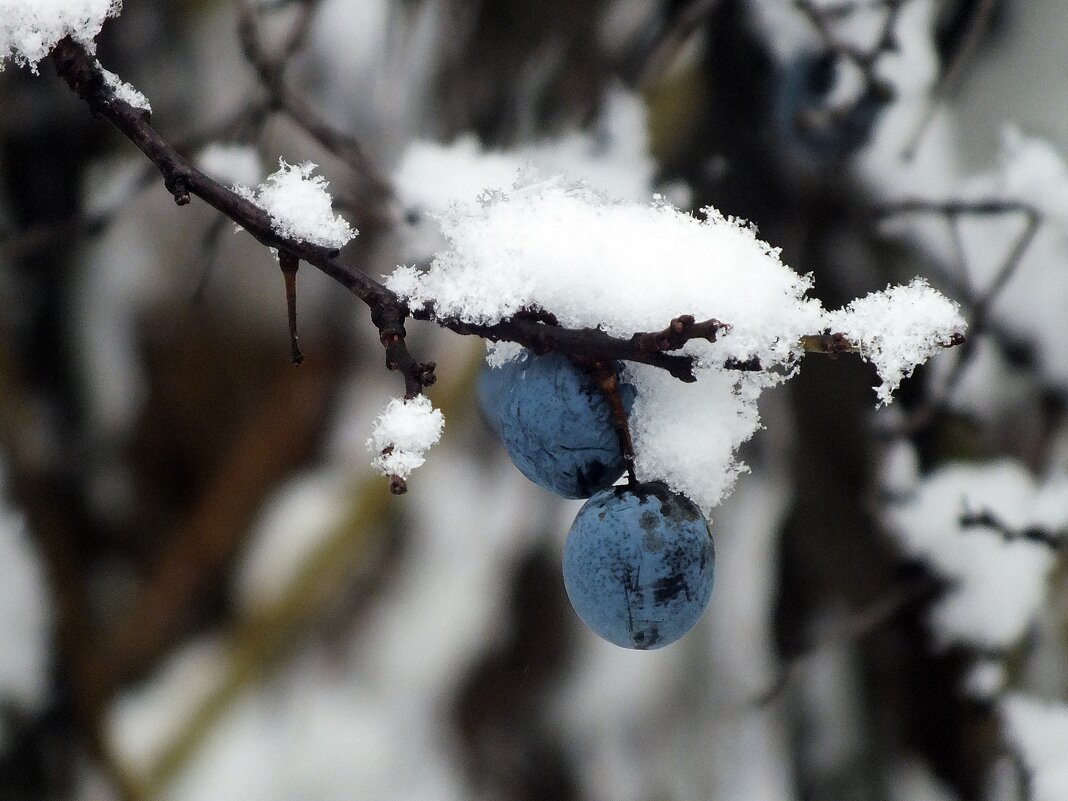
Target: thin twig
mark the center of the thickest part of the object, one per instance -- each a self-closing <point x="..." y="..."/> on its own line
<point x="948" y="82"/>
<point x="984" y="518"/>
<point x="979" y="314"/>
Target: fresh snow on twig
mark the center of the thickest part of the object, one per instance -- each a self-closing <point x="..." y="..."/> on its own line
<point x="898" y="329"/>
<point x="403" y="434"/>
<point x="299" y="205"/>
<point x="125" y="92"/>
<point x="627" y="267"/>
<point x="29" y="29"/>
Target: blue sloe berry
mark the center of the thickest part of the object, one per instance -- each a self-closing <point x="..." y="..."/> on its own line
<point x="805" y="119"/>
<point x="638" y="565"/>
<point x="555" y="422"/>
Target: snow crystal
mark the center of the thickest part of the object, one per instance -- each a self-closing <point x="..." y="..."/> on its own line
<point x="29" y="29"/>
<point x="402" y="435"/>
<point x="899" y="328"/>
<point x="299" y="205"/>
<point x="124" y="92"/>
<point x="997" y="586"/>
<point x="1038" y="733"/>
<point x="233" y="163"/>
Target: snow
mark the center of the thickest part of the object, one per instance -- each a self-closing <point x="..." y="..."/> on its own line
<point x="985" y="679"/>
<point x="299" y="205"/>
<point x="124" y="92"/>
<point x="1030" y="171"/>
<point x="403" y="434"/>
<point x="614" y="159"/>
<point x="611" y="157"/>
<point x="29" y="29"/>
<point x="899" y="328"/>
<point x="629" y="266"/>
<point x="231" y="163"/>
<point x="25" y="618"/>
<point x="997" y="586"/>
<point x="1038" y="734"/>
<point x="296" y="520"/>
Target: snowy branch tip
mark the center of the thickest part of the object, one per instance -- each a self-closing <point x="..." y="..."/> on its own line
<point x="299" y="205"/>
<point x="403" y="434"/>
<point x="29" y="29"/>
<point x="898" y="329"/>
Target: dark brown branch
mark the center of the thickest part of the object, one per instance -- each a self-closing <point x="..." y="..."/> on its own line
<point x="824" y="18"/>
<point x="589" y="343"/>
<point x="271" y="73"/>
<point x="680" y="331"/>
<point x="979" y="318"/>
<point x="957" y="207"/>
<point x="389" y="318"/>
<point x="82" y="74"/>
<point x="984" y="518"/>
<point x="951" y="76"/>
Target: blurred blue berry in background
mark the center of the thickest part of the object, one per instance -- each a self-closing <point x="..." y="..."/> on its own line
<point x="809" y="120"/>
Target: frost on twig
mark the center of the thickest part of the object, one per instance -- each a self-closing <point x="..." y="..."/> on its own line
<point x="29" y="29"/>
<point x="299" y="206"/>
<point x="125" y="92"/>
<point x="401" y="437"/>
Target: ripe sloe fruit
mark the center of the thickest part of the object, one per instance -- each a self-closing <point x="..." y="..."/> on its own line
<point x="639" y="565"/>
<point x="555" y="423"/>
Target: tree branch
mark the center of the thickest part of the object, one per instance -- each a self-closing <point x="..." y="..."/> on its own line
<point x="388" y="312"/>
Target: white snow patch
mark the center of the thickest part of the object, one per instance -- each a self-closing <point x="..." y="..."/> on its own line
<point x="998" y="585"/>
<point x="29" y="29"/>
<point x="25" y="617"/>
<point x="898" y="329"/>
<point x="299" y="205"/>
<point x="985" y="679"/>
<point x="1038" y="733"/>
<point x="231" y="163"/>
<point x="403" y="434"/>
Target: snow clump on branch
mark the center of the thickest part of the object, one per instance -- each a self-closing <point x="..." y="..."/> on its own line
<point x="29" y="29"/>
<point x="898" y="329"/>
<point x="997" y="582"/>
<point x="403" y="434"/>
<point x="631" y="267"/>
<point x="299" y="205"/>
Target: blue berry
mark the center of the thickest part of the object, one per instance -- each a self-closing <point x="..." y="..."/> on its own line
<point x="555" y="423"/>
<point x="805" y="119"/>
<point x="638" y="565"/>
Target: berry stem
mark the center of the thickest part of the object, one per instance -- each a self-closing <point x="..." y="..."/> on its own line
<point x="608" y="382"/>
<point x="289" y="264"/>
